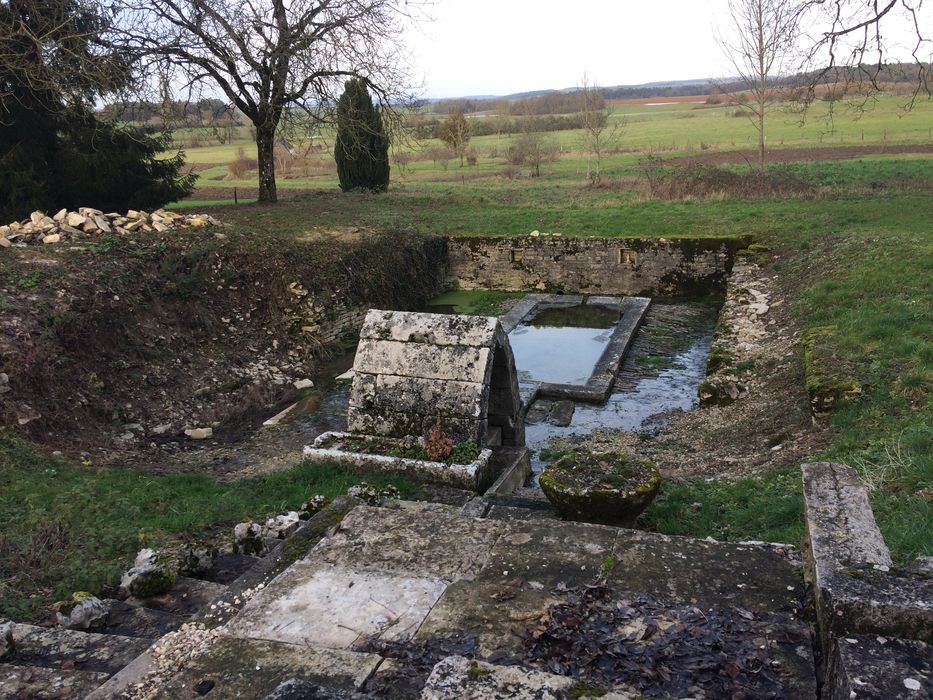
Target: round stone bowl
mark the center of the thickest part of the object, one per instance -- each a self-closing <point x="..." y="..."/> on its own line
<point x="611" y="488"/>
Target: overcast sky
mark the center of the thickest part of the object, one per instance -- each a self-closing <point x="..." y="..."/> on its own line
<point x="478" y="47"/>
<point x="497" y="47"/>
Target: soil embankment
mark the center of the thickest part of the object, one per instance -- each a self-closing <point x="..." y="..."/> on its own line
<point x="111" y="350"/>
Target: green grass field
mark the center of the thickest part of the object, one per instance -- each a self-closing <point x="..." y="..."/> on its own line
<point x="667" y="130"/>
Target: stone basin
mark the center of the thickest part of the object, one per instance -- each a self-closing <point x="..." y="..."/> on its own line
<point x="611" y="488"/>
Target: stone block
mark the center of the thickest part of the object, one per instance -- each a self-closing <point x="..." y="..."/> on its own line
<point x="252" y="668"/>
<point x="419" y="395"/>
<point x="872" y="667"/>
<point x="464" y="363"/>
<point x="430" y="329"/>
<point x="840" y="524"/>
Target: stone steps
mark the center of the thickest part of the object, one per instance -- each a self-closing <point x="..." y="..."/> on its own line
<point x="388" y="594"/>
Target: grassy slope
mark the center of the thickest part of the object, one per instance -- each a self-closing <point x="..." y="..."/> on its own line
<point x="69" y="527"/>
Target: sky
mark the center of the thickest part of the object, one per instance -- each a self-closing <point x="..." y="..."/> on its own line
<point x="498" y="47"/>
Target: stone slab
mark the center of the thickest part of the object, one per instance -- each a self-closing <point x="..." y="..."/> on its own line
<point x="332" y="607"/>
<point x="418" y="395"/>
<point x="463" y="363"/>
<point x="187" y="596"/>
<point x="249" y="668"/>
<point x="433" y="542"/>
<point x="399" y="424"/>
<point x="435" y="329"/>
<point x="705" y="573"/>
<point x="84" y="651"/>
<point x="840" y="524"/>
<point x="548" y="556"/>
<point x="459" y="678"/>
<point x="36" y="683"/>
<point x="496" y="613"/>
<point x="872" y="667"/>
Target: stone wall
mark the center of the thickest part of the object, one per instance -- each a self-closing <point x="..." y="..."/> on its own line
<point x="631" y="266"/>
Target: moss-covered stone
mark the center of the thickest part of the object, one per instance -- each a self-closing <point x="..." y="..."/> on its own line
<point x="612" y="488"/>
<point x="829" y="379"/>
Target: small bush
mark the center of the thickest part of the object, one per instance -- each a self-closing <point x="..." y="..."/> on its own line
<point x="241" y="165"/>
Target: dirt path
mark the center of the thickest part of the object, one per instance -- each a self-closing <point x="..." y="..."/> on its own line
<point x="794" y="155"/>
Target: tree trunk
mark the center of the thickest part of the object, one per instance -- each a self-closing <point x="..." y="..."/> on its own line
<point x="761" y="137"/>
<point x="265" y="156"/>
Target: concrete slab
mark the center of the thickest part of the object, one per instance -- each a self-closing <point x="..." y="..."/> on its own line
<point x="317" y="605"/>
<point x="871" y="667"/>
<point x="249" y="668"/>
<point x="548" y="555"/>
<point x="705" y="573"/>
<point x="441" y="545"/>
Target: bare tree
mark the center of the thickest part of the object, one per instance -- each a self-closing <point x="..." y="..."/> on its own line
<point x="455" y="132"/>
<point x="532" y="147"/>
<point x="760" y="46"/>
<point x="854" y="41"/>
<point x="599" y="133"/>
<point x="274" y="60"/>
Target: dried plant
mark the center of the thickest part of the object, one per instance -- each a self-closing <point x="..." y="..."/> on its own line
<point x="437" y="444"/>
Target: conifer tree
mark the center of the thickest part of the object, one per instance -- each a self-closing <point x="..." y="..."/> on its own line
<point x="362" y="146"/>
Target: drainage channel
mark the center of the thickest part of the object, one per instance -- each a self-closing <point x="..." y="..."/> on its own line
<point x="660" y="373"/>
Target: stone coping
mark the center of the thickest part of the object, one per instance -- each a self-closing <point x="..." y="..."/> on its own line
<point x="857" y="588"/>
<point x="597" y="388"/>
<point x="475" y="476"/>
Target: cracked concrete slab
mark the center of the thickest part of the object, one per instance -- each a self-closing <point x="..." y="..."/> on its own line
<point x="319" y="605"/>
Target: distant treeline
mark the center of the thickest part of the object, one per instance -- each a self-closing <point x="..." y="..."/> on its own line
<point x="427" y="127"/>
<point x="205" y="111"/>
<point x="567" y="102"/>
<point x="550" y="103"/>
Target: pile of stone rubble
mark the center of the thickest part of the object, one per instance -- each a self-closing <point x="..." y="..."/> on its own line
<point x="40" y="228"/>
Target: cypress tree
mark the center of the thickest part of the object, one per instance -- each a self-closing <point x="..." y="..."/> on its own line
<point x="362" y="145"/>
